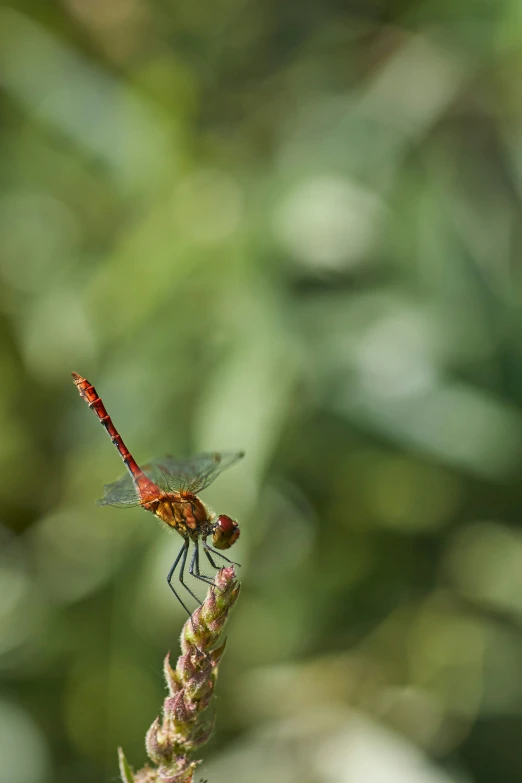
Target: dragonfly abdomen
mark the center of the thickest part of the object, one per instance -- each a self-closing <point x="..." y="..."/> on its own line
<point x="144" y="485"/>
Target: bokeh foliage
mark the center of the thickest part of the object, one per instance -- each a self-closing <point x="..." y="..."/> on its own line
<point x="294" y="229"/>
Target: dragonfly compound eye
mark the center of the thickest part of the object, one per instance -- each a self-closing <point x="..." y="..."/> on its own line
<point x="225" y="532"/>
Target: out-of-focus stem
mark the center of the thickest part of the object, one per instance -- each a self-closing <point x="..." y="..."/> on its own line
<point x="183" y="727"/>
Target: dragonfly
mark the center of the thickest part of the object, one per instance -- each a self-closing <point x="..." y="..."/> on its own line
<point x="168" y="488"/>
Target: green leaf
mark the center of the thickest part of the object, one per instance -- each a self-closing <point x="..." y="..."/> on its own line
<point x="127" y="775"/>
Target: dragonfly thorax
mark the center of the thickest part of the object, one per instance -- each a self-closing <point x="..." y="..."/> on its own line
<point x="186" y="513"/>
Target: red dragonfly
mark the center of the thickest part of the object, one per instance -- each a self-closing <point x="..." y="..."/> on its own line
<point x="168" y="488"/>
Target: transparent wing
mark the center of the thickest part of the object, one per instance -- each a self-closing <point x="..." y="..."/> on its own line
<point x="190" y="475"/>
<point x="121" y="493"/>
<point x="171" y="475"/>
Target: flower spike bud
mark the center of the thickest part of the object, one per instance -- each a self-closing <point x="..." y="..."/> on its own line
<point x="184" y="725"/>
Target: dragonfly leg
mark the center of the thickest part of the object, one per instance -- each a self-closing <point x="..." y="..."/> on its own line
<point x="205" y="550"/>
<point x="182" y="555"/>
<point x="208" y="549"/>
<point x="194" y="567"/>
<point x="182" y="551"/>
<point x="182" y="570"/>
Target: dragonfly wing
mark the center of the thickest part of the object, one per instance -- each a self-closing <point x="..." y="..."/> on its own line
<point x="194" y="474"/>
<point x="156" y="473"/>
<point x="121" y="493"/>
<point x="216" y="464"/>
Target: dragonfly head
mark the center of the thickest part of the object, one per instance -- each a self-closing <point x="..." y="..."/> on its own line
<point x="225" y="532"/>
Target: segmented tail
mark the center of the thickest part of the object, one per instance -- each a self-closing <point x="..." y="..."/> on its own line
<point x="144" y="485"/>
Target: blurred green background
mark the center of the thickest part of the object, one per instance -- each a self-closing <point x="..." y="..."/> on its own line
<point x="292" y="228"/>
